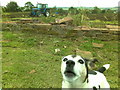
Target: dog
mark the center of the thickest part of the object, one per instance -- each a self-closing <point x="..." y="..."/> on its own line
<point x="76" y="74"/>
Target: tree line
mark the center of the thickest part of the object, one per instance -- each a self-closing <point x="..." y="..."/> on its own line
<point x="13" y="7"/>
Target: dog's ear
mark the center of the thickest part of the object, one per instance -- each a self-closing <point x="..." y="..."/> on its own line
<point x="91" y="63"/>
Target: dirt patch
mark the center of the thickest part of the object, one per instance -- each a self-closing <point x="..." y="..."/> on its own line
<point x="86" y="54"/>
<point x="112" y="27"/>
<point x="97" y="45"/>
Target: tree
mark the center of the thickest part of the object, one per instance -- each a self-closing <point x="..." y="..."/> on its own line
<point x="96" y="10"/>
<point x="72" y="10"/>
<point x="28" y="6"/>
<point x="12" y="7"/>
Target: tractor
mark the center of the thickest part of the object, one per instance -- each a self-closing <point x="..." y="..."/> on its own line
<point x="41" y="9"/>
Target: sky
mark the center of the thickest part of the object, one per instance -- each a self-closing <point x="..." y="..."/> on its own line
<point x="67" y="3"/>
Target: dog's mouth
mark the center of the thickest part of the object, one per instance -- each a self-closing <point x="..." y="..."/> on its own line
<point x="69" y="73"/>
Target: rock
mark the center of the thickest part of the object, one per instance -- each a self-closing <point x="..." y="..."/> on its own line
<point x="64" y="46"/>
<point x="57" y="50"/>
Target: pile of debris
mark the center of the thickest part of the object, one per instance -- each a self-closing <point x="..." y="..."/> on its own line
<point x="65" y="20"/>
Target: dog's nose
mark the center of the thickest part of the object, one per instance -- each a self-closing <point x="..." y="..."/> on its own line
<point x="70" y="62"/>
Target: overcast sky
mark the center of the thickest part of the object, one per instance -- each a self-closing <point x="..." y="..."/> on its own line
<point x="67" y="3"/>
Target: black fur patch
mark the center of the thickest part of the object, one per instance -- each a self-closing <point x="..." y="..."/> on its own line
<point x="86" y="78"/>
<point x="102" y="69"/>
<point x="92" y="72"/>
<point x="94" y="88"/>
<point x="99" y="86"/>
<point x="73" y="56"/>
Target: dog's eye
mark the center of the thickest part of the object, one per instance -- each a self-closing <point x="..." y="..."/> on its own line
<point x="65" y="59"/>
<point x="81" y="61"/>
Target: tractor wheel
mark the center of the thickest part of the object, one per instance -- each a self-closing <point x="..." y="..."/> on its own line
<point x="38" y="14"/>
<point x="47" y="14"/>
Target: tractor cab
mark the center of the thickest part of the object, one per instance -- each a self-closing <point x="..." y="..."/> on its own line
<point x="39" y="5"/>
<point x="41" y="9"/>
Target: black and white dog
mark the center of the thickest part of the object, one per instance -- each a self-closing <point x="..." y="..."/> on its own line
<point x="75" y="74"/>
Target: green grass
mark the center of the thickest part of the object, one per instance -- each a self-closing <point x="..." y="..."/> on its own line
<point x="29" y="60"/>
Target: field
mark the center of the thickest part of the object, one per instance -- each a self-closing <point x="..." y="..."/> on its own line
<point x="29" y="59"/>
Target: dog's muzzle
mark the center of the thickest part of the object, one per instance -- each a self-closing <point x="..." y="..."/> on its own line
<point x="69" y="72"/>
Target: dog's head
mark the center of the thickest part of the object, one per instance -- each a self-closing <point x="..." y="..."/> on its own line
<point x="74" y="67"/>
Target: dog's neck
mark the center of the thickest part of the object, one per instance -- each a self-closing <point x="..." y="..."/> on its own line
<point x="75" y="84"/>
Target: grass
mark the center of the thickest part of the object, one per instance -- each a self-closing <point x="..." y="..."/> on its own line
<point x="29" y="60"/>
<point x="81" y="19"/>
